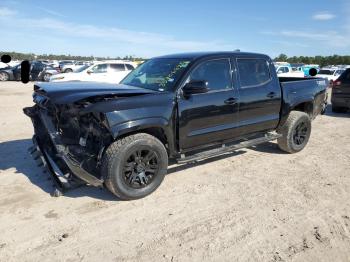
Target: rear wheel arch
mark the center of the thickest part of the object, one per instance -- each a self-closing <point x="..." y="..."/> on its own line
<point x="306" y="107"/>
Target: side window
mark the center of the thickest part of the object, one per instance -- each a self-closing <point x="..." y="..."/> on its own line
<point x="286" y="69"/>
<point x="253" y="72"/>
<point x="129" y="67"/>
<point x="101" y="68"/>
<point x="117" y="67"/>
<point x="216" y="72"/>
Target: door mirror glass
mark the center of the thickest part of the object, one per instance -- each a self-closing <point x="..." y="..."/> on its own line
<point x="195" y="87"/>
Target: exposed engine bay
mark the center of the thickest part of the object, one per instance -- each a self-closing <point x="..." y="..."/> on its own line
<point x="74" y="140"/>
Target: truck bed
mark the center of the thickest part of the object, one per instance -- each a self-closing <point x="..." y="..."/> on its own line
<point x="296" y="90"/>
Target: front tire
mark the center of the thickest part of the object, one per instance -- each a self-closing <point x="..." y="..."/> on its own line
<point x="46" y="77"/>
<point x="4" y="76"/>
<point x="68" y="70"/>
<point x="295" y="132"/>
<point x="134" y="166"/>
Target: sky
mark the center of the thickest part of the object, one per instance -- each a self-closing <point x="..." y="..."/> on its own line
<point x="154" y="27"/>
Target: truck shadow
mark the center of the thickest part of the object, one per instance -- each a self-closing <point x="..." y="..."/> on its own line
<point x="14" y="155"/>
<point x="268" y="147"/>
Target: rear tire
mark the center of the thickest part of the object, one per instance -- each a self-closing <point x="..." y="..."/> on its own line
<point x="337" y="109"/>
<point x="295" y="132"/>
<point x="134" y="166"/>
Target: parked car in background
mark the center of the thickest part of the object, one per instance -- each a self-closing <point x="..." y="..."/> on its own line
<point x="10" y="64"/>
<point x="341" y="93"/>
<point x="38" y="72"/>
<point x="71" y="67"/>
<point x="285" y="70"/>
<point x="306" y="69"/>
<point x="330" y="73"/>
<point x="62" y="63"/>
<point x="53" y="63"/>
<point x="109" y="72"/>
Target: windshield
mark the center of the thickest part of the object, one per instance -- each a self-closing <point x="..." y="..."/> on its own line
<point x="81" y="69"/>
<point x="158" y="74"/>
<point x="326" y="72"/>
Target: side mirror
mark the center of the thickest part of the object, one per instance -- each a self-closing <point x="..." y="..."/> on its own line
<point x="89" y="72"/>
<point x="195" y="87"/>
<point x="279" y="72"/>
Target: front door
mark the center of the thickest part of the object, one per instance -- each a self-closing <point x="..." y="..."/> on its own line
<point x="209" y="117"/>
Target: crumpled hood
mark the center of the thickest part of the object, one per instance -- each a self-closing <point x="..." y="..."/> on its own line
<point x="70" y="92"/>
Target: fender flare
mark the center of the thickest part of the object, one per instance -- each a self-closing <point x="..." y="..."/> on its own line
<point x="139" y="124"/>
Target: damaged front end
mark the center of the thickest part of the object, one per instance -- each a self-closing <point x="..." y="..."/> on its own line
<point x="69" y="141"/>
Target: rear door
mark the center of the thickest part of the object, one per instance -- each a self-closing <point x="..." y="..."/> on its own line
<point x="210" y="117"/>
<point x="259" y="95"/>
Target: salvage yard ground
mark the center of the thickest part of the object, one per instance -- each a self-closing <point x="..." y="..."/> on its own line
<point x="256" y="204"/>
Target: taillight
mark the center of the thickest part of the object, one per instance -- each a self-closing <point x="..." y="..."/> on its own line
<point x="336" y="83"/>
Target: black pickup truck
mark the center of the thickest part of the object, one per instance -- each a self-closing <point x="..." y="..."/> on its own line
<point x="183" y="107"/>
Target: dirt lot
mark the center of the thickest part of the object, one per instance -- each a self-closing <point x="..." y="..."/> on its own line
<point x="257" y="204"/>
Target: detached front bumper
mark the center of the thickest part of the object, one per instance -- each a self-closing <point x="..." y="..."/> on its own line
<point x="51" y="153"/>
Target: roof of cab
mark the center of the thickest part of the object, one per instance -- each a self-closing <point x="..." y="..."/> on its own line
<point x="198" y="55"/>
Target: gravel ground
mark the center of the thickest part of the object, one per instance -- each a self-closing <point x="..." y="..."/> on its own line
<point x="256" y="204"/>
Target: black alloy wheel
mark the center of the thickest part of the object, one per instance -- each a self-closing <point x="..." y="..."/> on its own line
<point x="300" y="133"/>
<point x="140" y="168"/>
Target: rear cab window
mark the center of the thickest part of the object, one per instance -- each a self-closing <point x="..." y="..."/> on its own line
<point x="253" y="72"/>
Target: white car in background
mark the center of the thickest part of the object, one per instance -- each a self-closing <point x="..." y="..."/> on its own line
<point x="74" y="66"/>
<point x="330" y="73"/>
<point x="287" y="71"/>
<point x="107" y="71"/>
<point x="11" y="64"/>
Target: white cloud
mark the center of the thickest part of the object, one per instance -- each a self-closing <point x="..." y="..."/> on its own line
<point x="328" y="38"/>
<point x="51" y="12"/>
<point x="289" y="43"/>
<point x="4" y="12"/>
<point x="149" y="42"/>
<point x="323" y="16"/>
<point x="308" y="35"/>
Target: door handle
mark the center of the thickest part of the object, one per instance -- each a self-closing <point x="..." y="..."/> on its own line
<point x="271" y="95"/>
<point x="230" y="101"/>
